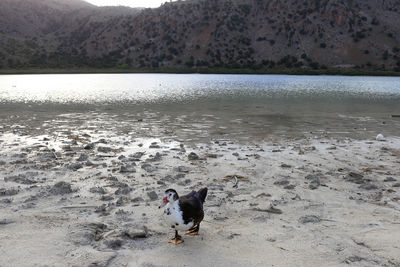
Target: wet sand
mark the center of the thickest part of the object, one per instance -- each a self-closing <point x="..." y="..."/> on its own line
<point x="82" y="197"/>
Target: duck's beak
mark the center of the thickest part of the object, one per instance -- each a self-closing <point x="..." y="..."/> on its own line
<point x="165" y="201"/>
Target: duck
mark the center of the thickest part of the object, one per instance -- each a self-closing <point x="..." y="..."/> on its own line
<point x="183" y="213"/>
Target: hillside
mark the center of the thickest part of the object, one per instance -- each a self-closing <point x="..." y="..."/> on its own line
<point x="279" y="34"/>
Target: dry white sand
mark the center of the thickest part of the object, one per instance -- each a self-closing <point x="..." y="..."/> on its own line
<point x="305" y="202"/>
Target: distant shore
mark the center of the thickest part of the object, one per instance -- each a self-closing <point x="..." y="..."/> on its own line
<point x="344" y="72"/>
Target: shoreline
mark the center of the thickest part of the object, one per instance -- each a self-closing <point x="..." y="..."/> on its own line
<point x="335" y="72"/>
<point x="87" y="197"/>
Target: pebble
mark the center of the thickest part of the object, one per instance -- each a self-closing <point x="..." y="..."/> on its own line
<point x="315" y="181"/>
<point x="8" y="192"/>
<point x="123" y="189"/>
<point x="148" y="168"/>
<point x="396" y="185"/>
<point x="137" y="199"/>
<point x="309" y="219"/>
<point x="104" y="149"/>
<point x="354" y="259"/>
<point x="98" y="190"/>
<point x="368" y="186"/>
<point x="119" y="202"/>
<point x="61" y="188"/>
<point x="83" y="157"/>
<point x="260" y="219"/>
<point x="380" y="137"/>
<point x="182" y="169"/>
<point x="106" y="198"/>
<point x="152" y="195"/>
<point x="185" y="182"/>
<point x="46" y="156"/>
<point x="127" y="169"/>
<point x="390" y="179"/>
<point x="269" y="210"/>
<point x="20" y="179"/>
<point x="157" y="157"/>
<point x="75" y="166"/>
<point x="135" y="234"/>
<point x="6" y="221"/>
<point x="290" y="187"/>
<point x="193" y="156"/>
<point x="284" y="165"/>
<point x="179" y="176"/>
<point x="89" y="146"/>
<point x="282" y="182"/>
<point x="114" y="244"/>
<point x="354" y="177"/>
<point x="154" y="145"/>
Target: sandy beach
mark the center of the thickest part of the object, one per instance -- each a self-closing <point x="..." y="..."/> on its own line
<point x="87" y="198"/>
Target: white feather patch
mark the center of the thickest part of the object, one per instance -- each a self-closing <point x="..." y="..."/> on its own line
<point x="173" y="217"/>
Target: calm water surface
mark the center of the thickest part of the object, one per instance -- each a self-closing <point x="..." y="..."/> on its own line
<point x="201" y="107"/>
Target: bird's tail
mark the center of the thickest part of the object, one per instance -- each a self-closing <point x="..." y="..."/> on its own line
<point x="203" y="193"/>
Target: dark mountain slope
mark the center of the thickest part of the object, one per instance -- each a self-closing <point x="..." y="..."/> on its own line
<point x="203" y="33"/>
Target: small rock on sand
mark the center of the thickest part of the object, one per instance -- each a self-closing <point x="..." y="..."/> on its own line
<point x="368" y="186"/>
<point x="75" y="166"/>
<point x="396" y="185"/>
<point x="157" y="157"/>
<point x="284" y="165"/>
<point x="8" y="192"/>
<point x="390" y="179"/>
<point x="137" y="199"/>
<point x="315" y="181"/>
<point x="282" y="182"/>
<point x="104" y="149"/>
<point x="136" y="234"/>
<point x="61" y="188"/>
<point x="148" y="168"/>
<point x="123" y="189"/>
<point x="83" y="157"/>
<point x="193" y="156"/>
<point x="289" y="187"/>
<point x="182" y="169"/>
<point x="152" y="195"/>
<point x="380" y="137"/>
<point x="353" y="259"/>
<point x="98" y="190"/>
<point x="20" y="178"/>
<point x="354" y="177"/>
<point x="260" y="219"/>
<point x="127" y="169"/>
<point x="114" y="243"/>
<point x="89" y="146"/>
<point x="309" y="219"/>
<point x="6" y="221"/>
<point x="154" y="145"/>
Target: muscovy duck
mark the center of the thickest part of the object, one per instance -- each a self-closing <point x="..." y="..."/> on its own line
<point x="183" y="213"/>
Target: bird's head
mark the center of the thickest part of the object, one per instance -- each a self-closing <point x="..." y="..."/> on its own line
<point x="170" y="195"/>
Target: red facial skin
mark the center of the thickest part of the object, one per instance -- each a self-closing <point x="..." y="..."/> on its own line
<point x="165" y="201"/>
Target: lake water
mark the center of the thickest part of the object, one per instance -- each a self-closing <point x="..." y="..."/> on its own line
<point x="201" y="107"/>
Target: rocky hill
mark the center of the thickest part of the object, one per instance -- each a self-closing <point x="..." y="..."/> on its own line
<point x="256" y="34"/>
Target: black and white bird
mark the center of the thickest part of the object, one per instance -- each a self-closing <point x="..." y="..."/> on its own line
<point x="183" y="213"/>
